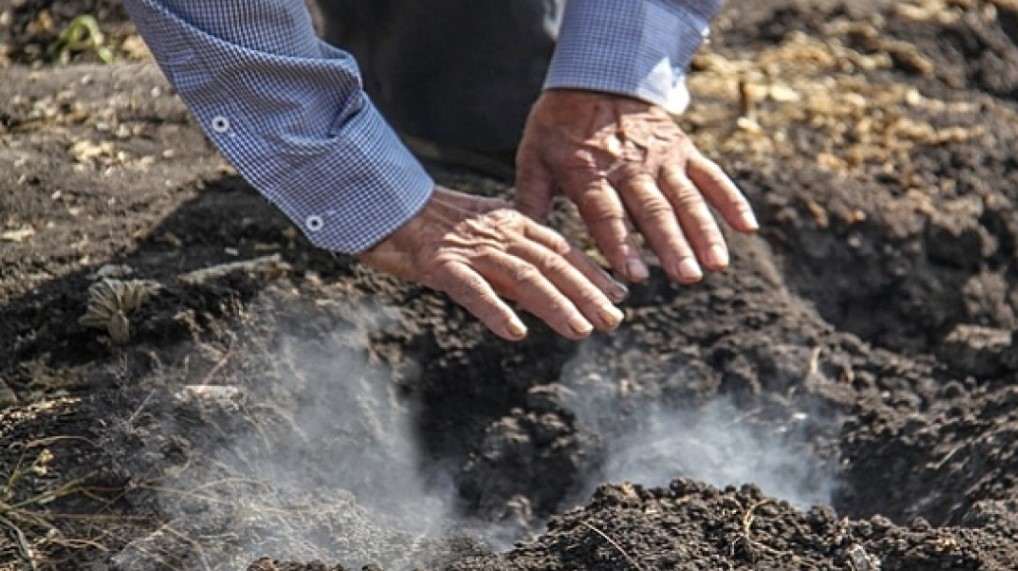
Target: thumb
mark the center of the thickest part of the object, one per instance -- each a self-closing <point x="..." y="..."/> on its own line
<point x="535" y="187"/>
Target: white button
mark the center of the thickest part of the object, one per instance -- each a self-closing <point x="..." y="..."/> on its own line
<point x="314" y="223"/>
<point x="220" y="124"/>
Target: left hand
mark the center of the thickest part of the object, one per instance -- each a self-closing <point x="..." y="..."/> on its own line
<point x="625" y="163"/>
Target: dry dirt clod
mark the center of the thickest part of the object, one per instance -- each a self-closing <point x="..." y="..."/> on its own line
<point x="862" y="561"/>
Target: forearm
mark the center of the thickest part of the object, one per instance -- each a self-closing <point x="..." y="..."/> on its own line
<point x="289" y="112"/>
<point x="639" y="48"/>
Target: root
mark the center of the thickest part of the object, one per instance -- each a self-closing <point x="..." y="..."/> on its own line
<point x="745" y="536"/>
<point x="614" y="544"/>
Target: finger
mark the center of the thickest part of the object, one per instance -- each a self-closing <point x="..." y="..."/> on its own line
<point x="569" y="280"/>
<point x="535" y="187"/>
<point x="722" y="193"/>
<point x="656" y="218"/>
<point x="605" y="217"/>
<point x="524" y="283"/>
<point x="696" y="218"/>
<point x="615" y="290"/>
<point x="467" y="288"/>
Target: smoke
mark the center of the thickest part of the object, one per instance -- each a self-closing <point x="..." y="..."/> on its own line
<point x="313" y="457"/>
<point x="712" y="444"/>
<point x="317" y="456"/>
<point x="651" y="443"/>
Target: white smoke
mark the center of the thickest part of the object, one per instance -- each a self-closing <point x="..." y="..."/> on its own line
<point x="651" y="443"/>
<point x="318" y="457"/>
<point x="314" y="458"/>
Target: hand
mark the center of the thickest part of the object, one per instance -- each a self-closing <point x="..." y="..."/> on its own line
<point x="476" y="249"/>
<point x="625" y="163"/>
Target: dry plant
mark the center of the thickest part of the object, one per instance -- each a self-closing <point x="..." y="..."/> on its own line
<point x="745" y="537"/>
<point x="26" y="521"/>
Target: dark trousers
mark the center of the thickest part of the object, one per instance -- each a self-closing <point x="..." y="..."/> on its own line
<point x="461" y="73"/>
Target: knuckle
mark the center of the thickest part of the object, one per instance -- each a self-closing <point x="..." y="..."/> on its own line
<point x="714" y="173"/>
<point x="558" y="244"/>
<point x="525" y="274"/>
<point x="655" y="208"/>
<point x="466" y="293"/>
<point x="487" y="249"/>
<point x="625" y="173"/>
<point x="504" y="218"/>
<point x="601" y="218"/>
<point x="555" y="265"/>
<point x="435" y="272"/>
<point x="600" y="211"/>
<point x="688" y="197"/>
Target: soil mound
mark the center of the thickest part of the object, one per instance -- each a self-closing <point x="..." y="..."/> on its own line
<point x="186" y="384"/>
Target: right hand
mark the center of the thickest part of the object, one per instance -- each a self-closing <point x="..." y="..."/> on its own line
<point x="477" y="249"/>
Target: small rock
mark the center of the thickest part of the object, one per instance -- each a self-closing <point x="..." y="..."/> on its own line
<point x="978" y="351"/>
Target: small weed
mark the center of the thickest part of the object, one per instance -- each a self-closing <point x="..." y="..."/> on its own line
<point x="81" y="34"/>
<point x="19" y="515"/>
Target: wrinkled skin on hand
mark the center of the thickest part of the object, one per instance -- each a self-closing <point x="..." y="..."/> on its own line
<point x="626" y="164"/>
<point x="477" y="249"/>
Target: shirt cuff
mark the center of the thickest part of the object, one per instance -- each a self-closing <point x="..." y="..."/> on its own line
<point x="347" y="192"/>
<point x="292" y="117"/>
<point x="639" y="48"/>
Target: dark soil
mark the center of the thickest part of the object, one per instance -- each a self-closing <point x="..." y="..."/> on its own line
<point x="262" y="401"/>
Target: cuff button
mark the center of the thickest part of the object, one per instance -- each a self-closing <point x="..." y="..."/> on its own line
<point x="220" y="124"/>
<point x="314" y="223"/>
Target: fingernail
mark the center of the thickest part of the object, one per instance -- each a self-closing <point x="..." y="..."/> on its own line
<point x="636" y="270"/>
<point x="611" y="316"/>
<point x="516" y="328"/>
<point x="580" y="326"/>
<point x="617" y="291"/>
<point x="689" y="270"/>
<point x="717" y="256"/>
<point x="751" y="221"/>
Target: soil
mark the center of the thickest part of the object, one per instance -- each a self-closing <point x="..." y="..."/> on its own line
<point x="844" y="397"/>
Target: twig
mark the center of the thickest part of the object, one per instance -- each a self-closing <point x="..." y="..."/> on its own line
<point x="195" y="545"/>
<point x="747" y="524"/>
<point x="747" y="518"/>
<point x="220" y="363"/>
<point x="130" y="420"/>
<point x="47" y="496"/>
<point x="613" y="544"/>
<point x="266" y="265"/>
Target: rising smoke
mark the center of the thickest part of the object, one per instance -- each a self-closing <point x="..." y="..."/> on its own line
<point x="651" y="443"/>
<point x="316" y="458"/>
<point x="326" y="463"/>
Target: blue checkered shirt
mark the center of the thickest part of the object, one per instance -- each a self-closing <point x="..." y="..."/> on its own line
<point x="289" y="111"/>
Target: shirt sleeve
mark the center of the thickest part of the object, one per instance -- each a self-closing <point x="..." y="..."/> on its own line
<point x="639" y="48"/>
<point x="290" y="113"/>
